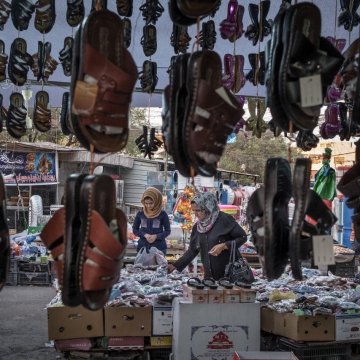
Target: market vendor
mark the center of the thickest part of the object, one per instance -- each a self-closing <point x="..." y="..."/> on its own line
<point x="212" y="236"/>
<point x="152" y="224"/>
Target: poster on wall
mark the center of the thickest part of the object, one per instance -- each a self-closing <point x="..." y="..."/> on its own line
<point x="28" y="168"/>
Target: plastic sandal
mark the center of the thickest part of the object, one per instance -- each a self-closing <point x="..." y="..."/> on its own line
<point x="5" y="10"/>
<point x="16" y="116"/>
<point x="45" y="15"/>
<point x="42" y="112"/>
<point x="75" y="12"/>
<point x="21" y="13"/>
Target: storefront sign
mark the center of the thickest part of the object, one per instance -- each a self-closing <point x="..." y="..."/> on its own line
<point x="29" y="168"/>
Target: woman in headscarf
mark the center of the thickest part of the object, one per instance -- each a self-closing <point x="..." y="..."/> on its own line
<point x="152" y="224"/>
<point x="212" y="236"/>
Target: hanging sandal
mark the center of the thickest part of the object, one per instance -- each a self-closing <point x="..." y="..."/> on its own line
<point x="148" y="40"/>
<point x="208" y="102"/>
<point x="252" y="31"/>
<point x="264" y="25"/>
<point x="239" y="75"/>
<point x="53" y="238"/>
<point x="124" y="7"/>
<point x="267" y="214"/>
<point x="75" y="12"/>
<point x="16" y="116"/>
<point x="142" y="141"/>
<point x="100" y="110"/>
<point x="5" y="249"/>
<point x="151" y="11"/>
<point x="154" y="144"/>
<point x="228" y="26"/>
<point x="239" y="29"/>
<point x="42" y="112"/>
<point x="305" y="54"/>
<point x="5" y="10"/>
<point x="127" y="32"/>
<point x="38" y="61"/>
<point x="3" y="61"/>
<point x="21" y="12"/>
<point x="45" y="15"/>
<point x="50" y="64"/>
<point x="64" y="115"/>
<point x="65" y="55"/>
<point x="102" y="241"/>
<point x="166" y="120"/>
<point x="19" y="62"/>
<point x="94" y="4"/>
<point x="228" y="79"/>
<point x="148" y="76"/>
<point x="307" y="203"/>
<point x="252" y="75"/>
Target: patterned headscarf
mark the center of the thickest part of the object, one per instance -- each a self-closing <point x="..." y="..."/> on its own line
<point x="156" y="196"/>
<point x="209" y="206"/>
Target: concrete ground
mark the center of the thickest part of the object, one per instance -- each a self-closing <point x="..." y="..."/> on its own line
<point x="23" y="323"/>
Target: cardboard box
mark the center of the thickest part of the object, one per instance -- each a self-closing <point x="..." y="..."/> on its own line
<point x="214" y="331"/>
<point x="232" y="296"/>
<point x="264" y="355"/>
<point x="74" y="323"/>
<point x="299" y="328"/>
<point x="216" y="296"/>
<point x="161" y="341"/>
<point x="126" y="343"/>
<point x="347" y="327"/>
<point x="247" y="295"/>
<point x="196" y="296"/>
<point x="162" y="320"/>
<point x="128" y="321"/>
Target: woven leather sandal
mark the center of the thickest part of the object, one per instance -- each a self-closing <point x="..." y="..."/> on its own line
<point x="5" y="10"/>
<point x="16" y="116"/>
<point x="21" y="13"/>
<point x="45" y="15"/>
<point x="102" y="240"/>
<point x="127" y="32"/>
<point x="148" y="76"/>
<point x="75" y="12"/>
<point x="151" y="11"/>
<point x="149" y="40"/>
<point x="42" y="112"/>
<point x="65" y="55"/>
<point x="98" y="107"/>
<point x="19" y="62"/>
<point x="3" y="61"/>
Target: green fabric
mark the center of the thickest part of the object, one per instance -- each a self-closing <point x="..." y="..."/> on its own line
<point x="325" y="183"/>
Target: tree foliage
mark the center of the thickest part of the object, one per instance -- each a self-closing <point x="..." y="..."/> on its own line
<point x="250" y="154"/>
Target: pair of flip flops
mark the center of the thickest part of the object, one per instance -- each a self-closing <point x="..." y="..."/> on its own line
<point x="87" y="239"/>
<point x="202" y="113"/>
<point x="185" y="12"/>
<point x="102" y="81"/>
<point x="5" y="249"/>
<point x="293" y="56"/>
<point x="267" y="214"/>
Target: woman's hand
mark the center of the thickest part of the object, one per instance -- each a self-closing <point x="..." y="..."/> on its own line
<point x="217" y="249"/>
<point x="171" y="268"/>
<point x="150" y="238"/>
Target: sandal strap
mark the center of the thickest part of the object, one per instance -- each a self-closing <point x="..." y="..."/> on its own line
<point x="43" y="13"/>
<point x="109" y="99"/>
<point x="42" y="113"/>
<point x="26" y="10"/>
<point x="108" y="258"/>
<point x="51" y="235"/>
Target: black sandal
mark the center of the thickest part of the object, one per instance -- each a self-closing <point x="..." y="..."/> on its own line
<point x="64" y="115"/>
<point x="42" y="114"/>
<point x="5" y="10"/>
<point x="16" y="116"/>
<point x="148" y="77"/>
<point x="65" y="55"/>
<point x="21" y="13"/>
<point x="124" y="7"/>
<point x="127" y="32"/>
<point x="149" y="40"/>
<point x="3" y="61"/>
<point x="75" y="12"/>
<point x="142" y="141"/>
<point x="151" y="11"/>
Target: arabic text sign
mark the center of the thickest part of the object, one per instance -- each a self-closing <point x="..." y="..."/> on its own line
<point x="30" y="168"/>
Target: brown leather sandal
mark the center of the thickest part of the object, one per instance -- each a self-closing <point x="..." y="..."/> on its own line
<point x="42" y="114"/>
<point x="99" y="54"/>
<point x="45" y="15"/>
<point x="212" y="112"/>
<point x="53" y="238"/>
<point x="3" y="61"/>
<point x="100" y="249"/>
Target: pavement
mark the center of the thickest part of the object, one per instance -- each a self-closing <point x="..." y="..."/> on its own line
<point x="23" y="323"/>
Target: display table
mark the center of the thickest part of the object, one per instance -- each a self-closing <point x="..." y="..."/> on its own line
<point x="130" y="254"/>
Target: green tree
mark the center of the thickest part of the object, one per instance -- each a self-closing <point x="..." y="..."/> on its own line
<point x="250" y="154"/>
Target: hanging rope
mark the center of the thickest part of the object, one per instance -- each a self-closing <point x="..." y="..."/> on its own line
<point x="197" y="37"/>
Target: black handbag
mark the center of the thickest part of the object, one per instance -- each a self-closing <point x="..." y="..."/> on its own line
<point x="238" y="270"/>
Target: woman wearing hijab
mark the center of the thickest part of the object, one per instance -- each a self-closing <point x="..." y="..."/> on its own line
<point x="152" y="224"/>
<point x="212" y="236"/>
